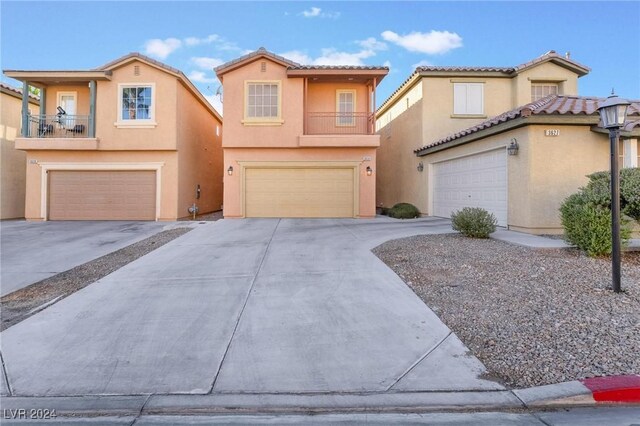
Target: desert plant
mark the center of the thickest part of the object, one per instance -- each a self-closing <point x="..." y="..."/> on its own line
<point x="474" y="222"/>
<point x="404" y="211"/>
<point x="598" y="191"/>
<point x="587" y="223"/>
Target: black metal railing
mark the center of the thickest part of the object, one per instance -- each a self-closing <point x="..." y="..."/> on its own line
<point x="336" y="123"/>
<point x="58" y="126"/>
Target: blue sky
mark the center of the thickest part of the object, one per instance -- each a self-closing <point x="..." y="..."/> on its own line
<point x="194" y="36"/>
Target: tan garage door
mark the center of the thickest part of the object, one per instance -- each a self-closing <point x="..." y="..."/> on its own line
<point x="299" y="192"/>
<point x="102" y="195"/>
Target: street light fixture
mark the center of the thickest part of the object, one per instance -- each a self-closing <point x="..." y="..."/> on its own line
<point x="613" y="113"/>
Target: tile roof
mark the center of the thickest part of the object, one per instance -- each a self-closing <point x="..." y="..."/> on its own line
<point x="339" y="67"/>
<point x="550" y="105"/>
<point x="137" y="55"/>
<point x="17" y="91"/>
<point x="260" y="52"/>
<point x="508" y="71"/>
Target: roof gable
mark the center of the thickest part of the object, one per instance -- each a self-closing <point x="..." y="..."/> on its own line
<point x="251" y="57"/>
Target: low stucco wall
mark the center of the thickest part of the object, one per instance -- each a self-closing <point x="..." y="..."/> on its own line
<point x="233" y="183"/>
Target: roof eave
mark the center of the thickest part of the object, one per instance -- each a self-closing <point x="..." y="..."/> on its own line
<point x="57" y="76"/>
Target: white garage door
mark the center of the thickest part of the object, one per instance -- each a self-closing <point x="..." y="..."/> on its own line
<point x="299" y="192"/>
<point x="478" y="180"/>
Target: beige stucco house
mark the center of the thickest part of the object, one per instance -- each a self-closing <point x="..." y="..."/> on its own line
<point x="299" y="140"/>
<point x="445" y="137"/>
<point x="131" y="140"/>
<point x="13" y="163"/>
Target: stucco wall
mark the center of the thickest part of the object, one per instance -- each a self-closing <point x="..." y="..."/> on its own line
<point x="322" y="96"/>
<point x="12" y="162"/>
<point x="82" y="97"/>
<point x="271" y="135"/>
<point x="169" y="175"/>
<point x="547" y="72"/>
<point x="199" y="155"/>
<point x="163" y="136"/>
<point x="233" y="184"/>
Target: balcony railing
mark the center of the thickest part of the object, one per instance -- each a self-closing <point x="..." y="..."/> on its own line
<point x="335" y="123"/>
<point x="58" y="126"/>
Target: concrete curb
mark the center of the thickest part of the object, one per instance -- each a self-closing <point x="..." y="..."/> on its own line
<point x="607" y="390"/>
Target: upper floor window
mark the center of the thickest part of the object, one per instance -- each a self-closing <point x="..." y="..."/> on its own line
<point x="468" y="98"/>
<point x="136" y="104"/>
<point x="345" y="107"/>
<point x="262" y="101"/>
<point x="540" y="90"/>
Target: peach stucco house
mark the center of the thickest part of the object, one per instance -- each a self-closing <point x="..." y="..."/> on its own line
<point x="13" y="163"/>
<point x="445" y="134"/>
<point x="131" y="140"/>
<point x="299" y="140"/>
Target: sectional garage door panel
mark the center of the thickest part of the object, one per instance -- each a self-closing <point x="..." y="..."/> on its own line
<point x="299" y="192"/>
<point x="102" y="195"/>
<point x="478" y="180"/>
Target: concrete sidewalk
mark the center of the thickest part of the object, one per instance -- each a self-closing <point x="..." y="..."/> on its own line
<point x="247" y="306"/>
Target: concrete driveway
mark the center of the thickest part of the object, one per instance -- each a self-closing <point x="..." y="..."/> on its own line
<point x="247" y="306"/>
<point x="33" y="251"/>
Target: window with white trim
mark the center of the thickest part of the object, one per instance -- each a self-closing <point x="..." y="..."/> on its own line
<point x="262" y="101"/>
<point x="540" y="90"/>
<point x="468" y="98"/>
<point x="346" y="107"/>
<point x="136" y="103"/>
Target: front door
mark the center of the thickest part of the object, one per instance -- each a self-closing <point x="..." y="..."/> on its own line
<point x="68" y="101"/>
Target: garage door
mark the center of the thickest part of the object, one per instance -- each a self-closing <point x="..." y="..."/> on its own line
<point x="299" y="192"/>
<point x="478" y="180"/>
<point x="102" y="195"/>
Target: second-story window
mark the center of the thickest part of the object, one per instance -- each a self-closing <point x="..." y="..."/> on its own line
<point x="262" y="101"/>
<point x="136" y="104"/>
<point x="540" y="90"/>
<point x="468" y="98"/>
<point x="346" y="107"/>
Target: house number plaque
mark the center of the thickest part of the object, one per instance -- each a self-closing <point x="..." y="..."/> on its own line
<point x="552" y="132"/>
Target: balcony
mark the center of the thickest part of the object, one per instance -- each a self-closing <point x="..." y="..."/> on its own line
<point x="331" y="129"/>
<point x="58" y="126"/>
<point x="57" y="132"/>
<point x="332" y="123"/>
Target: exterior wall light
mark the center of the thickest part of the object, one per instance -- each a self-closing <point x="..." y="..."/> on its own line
<point x="420" y="167"/>
<point x="613" y="113"/>
<point x="369" y="171"/>
<point x="230" y="170"/>
<point x="513" y="147"/>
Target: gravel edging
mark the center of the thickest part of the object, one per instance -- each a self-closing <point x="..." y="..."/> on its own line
<point x="533" y="317"/>
<point x="21" y="304"/>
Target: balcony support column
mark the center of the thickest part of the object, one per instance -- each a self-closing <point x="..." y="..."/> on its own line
<point x="92" y="109"/>
<point x="306" y="107"/>
<point x="43" y="101"/>
<point x="25" y="109"/>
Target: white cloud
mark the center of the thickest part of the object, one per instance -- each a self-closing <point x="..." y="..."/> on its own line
<point x="432" y="43"/>
<point x="194" y="41"/>
<point x="206" y="63"/>
<point x="372" y="44"/>
<point x="332" y="56"/>
<point x="161" y="48"/>
<point x="313" y="12"/>
<point x="201" y="77"/>
<point x="387" y="64"/>
<point x="316" y="12"/>
<point x="297" y="56"/>
<point x="422" y="64"/>
<point x="214" y="100"/>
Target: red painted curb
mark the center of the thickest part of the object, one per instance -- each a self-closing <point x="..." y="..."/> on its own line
<point x="614" y="388"/>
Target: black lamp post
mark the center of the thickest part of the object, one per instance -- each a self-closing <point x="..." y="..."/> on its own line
<point x="613" y="113"/>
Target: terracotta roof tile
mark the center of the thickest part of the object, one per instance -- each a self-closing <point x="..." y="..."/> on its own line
<point x="550" y="105"/>
<point x="260" y="52"/>
<point x="338" y="67"/>
<point x="17" y="91"/>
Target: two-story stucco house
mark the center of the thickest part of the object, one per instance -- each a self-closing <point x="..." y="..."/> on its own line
<point x="299" y="140"/>
<point x="13" y="163"/>
<point x="131" y="140"/>
<point x="446" y="133"/>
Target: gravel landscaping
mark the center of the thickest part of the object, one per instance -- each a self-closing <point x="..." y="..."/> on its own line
<point x="23" y="303"/>
<point x="533" y="317"/>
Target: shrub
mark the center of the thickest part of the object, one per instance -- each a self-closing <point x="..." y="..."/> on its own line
<point x="587" y="224"/>
<point x="404" y="211"/>
<point x="474" y="222"/>
<point x="598" y="191"/>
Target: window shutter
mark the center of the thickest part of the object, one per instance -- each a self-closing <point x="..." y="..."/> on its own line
<point x="474" y="99"/>
<point x="459" y="98"/>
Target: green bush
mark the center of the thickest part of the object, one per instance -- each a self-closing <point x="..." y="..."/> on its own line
<point x="598" y="191"/>
<point x="404" y="211"/>
<point x="587" y="224"/>
<point x="474" y="222"/>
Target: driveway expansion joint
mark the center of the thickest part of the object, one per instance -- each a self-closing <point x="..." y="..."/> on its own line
<point x="6" y="375"/>
<point x="244" y="305"/>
